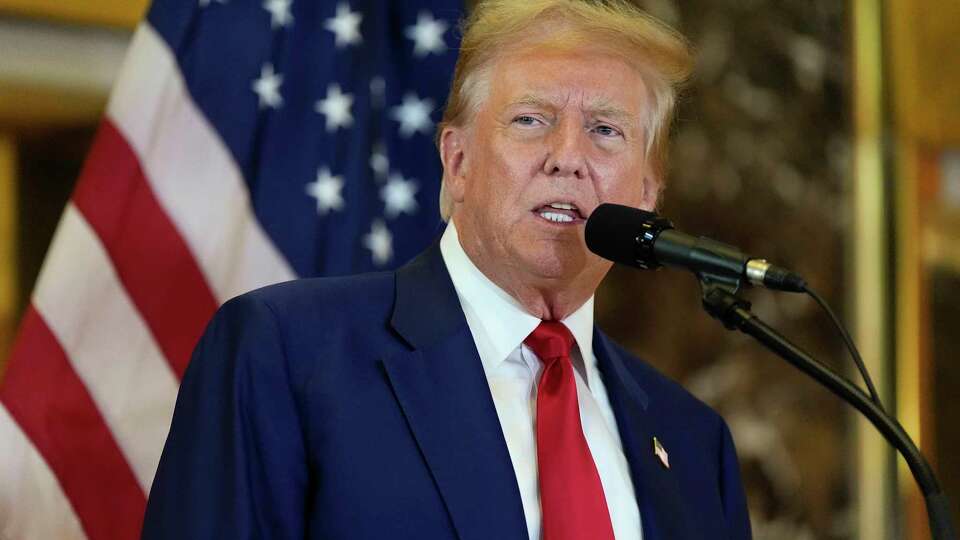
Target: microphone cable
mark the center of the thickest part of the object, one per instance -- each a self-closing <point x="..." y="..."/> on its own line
<point x="851" y="346"/>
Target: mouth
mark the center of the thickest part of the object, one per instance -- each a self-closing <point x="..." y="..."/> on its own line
<point x="560" y="213"/>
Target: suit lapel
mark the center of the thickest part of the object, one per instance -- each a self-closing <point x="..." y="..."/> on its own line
<point x="443" y="392"/>
<point x="662" y="507"/>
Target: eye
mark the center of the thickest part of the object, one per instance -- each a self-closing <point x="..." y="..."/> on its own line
<point x="526" y="120"/>
<point x="607" y="131"/>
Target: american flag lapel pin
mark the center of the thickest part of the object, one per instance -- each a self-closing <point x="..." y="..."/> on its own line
<point x="661" y="453"/>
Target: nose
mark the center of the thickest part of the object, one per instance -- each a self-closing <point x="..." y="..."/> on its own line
<point x="566" y="155"/>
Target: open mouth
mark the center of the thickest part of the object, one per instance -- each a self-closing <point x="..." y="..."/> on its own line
<point x="562" y="213"/>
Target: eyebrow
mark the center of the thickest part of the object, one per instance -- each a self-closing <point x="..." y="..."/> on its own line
<point x="532" y="100"/>
<point x="600" y="109"/>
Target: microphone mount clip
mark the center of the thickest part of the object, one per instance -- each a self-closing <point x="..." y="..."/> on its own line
<point x="646" y="236"/>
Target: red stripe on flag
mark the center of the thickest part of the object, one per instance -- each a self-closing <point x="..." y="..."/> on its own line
<point x="153" y="262"/>
<point x="55" y="411"/>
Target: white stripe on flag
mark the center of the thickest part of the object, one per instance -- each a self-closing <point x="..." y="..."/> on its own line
<point x="32" y="504"/>
<point x="191" y="171"/>
<point x="86" y="307"/>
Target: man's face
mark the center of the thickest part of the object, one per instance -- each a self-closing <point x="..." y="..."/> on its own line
<point x="558" y="134"/>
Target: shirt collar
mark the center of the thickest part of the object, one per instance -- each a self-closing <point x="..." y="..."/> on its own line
<point x="502" y="319"/>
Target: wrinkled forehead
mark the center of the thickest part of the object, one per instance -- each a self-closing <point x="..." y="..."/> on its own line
<point x="593" y="79"/>
<point x="553" y="100"/>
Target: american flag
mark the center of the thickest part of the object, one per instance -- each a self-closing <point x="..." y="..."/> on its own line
<point x="246" y="142"/>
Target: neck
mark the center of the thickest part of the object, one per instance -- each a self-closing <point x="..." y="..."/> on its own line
<point x="547" y="298"/>
<point x="547" y="303"/>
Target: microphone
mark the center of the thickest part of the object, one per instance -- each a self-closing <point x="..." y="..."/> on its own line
<point x="645" y="240"/>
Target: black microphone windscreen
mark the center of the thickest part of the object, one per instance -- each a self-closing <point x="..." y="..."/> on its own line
<point x="612" y="229"/>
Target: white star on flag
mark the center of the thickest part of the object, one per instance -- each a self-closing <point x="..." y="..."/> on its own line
<point x="380" y="243"/>
<point x="326" y="189"/>
<point x="336" y="108"/>
<point x="279" y="12"/>
<point x="413" y="115"/>
<point x="427" y="35"/>
<point x="398" y="196"/>
<point x="267" y="87"/>
<point x="205" y="3"/>
<point x="345" y="26"/>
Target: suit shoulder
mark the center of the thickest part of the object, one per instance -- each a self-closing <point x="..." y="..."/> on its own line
<point x="305" y="319"/>
<point x="317" y="295"/>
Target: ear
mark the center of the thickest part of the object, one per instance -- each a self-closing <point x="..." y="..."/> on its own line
<point x="652" y="186"/>
<point x="453" y="157"/>
<point x="651" y="193"/>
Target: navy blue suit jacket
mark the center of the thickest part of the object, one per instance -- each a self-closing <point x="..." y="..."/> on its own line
<point x="358" y="408"/>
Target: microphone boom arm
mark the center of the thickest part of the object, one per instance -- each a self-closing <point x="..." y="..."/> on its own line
<point x="721" y="302"/>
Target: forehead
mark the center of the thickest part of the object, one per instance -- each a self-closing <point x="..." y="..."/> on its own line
<point x="586" y="77"/>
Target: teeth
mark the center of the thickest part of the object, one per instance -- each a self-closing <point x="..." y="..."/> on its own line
<point x="555" y="217"/>
<point x="562" y="206"/>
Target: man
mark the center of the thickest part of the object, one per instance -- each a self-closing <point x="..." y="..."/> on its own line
<point x="468" y="395"/>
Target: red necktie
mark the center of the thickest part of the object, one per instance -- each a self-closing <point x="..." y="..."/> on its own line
<point x="571" y="496"/>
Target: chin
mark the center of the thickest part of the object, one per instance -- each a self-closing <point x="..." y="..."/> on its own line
<point x="557" y="266"/>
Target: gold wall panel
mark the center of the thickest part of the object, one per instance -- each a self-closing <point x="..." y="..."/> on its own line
<point x="119" y="13"/>
<point x="926" y="69"/>
<point x="26" y="107"/>
<point x="8" y="251"/>
<point x="925" y="84"/>
<point x="868" y="274"/>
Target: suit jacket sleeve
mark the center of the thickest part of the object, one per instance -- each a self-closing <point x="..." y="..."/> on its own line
<point x="734" y="501"/>
<point x="234" y="462"/>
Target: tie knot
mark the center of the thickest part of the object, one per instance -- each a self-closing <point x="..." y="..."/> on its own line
<point x="550" y="340"/>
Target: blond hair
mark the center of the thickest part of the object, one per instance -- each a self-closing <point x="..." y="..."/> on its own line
<point x="659" y="54"/>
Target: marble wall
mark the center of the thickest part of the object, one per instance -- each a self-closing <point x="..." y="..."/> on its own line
<point x="760" y="160"/>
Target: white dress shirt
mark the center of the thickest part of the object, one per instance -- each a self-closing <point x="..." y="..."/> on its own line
<point x="499" y="325"/>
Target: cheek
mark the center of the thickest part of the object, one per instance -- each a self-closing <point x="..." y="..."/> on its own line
<point x="509" y="180"/>
<point x="621" y="191"/>
<point x="490" y="201"/>
<point x="623" y="183"/>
